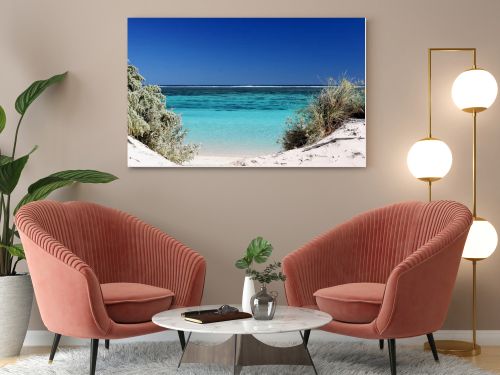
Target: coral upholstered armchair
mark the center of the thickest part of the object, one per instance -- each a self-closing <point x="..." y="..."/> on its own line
<point x="100" y="273"/>
<point x="385" y="274"/>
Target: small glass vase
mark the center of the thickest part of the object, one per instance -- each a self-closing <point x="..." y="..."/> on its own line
<point x="263" y="304"/>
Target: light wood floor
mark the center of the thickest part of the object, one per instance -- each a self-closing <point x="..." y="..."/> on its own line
<point x="488" y="360"/>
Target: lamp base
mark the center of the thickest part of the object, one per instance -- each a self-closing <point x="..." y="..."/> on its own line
<point x="456" y="348"/>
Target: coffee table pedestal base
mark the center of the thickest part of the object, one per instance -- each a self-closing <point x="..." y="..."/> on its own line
<point x="246" y="350"/>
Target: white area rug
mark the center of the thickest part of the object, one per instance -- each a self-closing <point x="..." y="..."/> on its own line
<point x="162" y="358"/>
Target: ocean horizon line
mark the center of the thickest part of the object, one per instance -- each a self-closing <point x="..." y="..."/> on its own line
<point x="252" y="86"/>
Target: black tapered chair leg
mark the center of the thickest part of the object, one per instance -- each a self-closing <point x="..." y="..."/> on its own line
<point x="392" y="355"/>
<point x="55" y="344"/>
<point x="106" y="344"/>
<point x="381" y="344"/>
<point x="182" y="339"/>
<point x="94" y="346"/>
<point x="432" y="344"/>
<point x="307" y="333"/>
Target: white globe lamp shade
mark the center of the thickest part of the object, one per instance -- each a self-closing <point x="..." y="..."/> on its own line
<point x="429" y="159"/>
<point x="474" y="90"/>
<point x="481" y="241"/>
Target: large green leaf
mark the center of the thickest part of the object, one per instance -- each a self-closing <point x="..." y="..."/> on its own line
<point x="43" y="187"/>
<point x="259" y="250"/>
<point x="15" y="250"/>
<point x="3" y="119"/>
<point x="42" y="193"/>
<point x="242" y="263"/>
<point x="4" y="159"/>
<point x="10" y="172"/>
<point x="87" y="176"/>
<point x="29" y="95"/>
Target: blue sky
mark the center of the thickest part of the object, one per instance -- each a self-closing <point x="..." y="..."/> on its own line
<point x="247" y="51"/>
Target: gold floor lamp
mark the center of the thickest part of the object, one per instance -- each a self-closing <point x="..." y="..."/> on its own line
<point x="430" y="159"/>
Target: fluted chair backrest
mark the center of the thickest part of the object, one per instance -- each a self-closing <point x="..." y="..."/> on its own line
<point x="382" y="238"/>
<point x="96" y="234"/>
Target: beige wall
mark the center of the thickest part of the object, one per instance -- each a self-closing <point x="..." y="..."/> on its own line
<point x="82" y="124"/>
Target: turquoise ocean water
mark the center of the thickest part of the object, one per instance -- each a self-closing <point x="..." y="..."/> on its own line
<point x="228" y="120"/>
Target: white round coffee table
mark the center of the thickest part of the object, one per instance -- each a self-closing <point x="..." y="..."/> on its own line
<point x="242" y="348"/>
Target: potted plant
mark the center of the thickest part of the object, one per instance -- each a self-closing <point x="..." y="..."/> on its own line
<point x="259" y="250"/>
<point x="16" y="291"/>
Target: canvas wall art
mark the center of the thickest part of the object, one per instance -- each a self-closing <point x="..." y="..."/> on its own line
<point x="246" y="92"/>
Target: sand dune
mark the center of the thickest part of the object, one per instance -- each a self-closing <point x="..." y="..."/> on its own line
<point x="139" y="155"/>
<point x="345" y="147"/>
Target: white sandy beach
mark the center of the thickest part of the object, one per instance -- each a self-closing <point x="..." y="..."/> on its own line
<point x="212" y="161"/>
<point x="345" y="147"/>
<point x="139" y="155"/>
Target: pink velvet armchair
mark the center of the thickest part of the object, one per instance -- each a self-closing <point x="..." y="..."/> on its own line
<point x="385" y="274"/>
<point x="99" y="273"/>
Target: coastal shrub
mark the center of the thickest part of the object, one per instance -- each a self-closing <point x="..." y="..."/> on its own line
<point x="324" y="114"/>
<point x="358" y="107"/>
<point x="137" y="127"/>
<point x="152" y="124"/>
<point x="299" y="133"/>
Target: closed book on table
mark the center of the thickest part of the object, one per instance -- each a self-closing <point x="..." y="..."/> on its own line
<point x="212" y="317"/>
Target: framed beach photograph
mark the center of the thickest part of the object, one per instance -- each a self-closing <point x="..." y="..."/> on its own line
<point x="246" y="92"/>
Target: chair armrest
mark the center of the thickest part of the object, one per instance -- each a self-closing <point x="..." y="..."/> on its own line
<point x="165" y="262"/>
<point x="321" y="263"/>
<point x="419" y="289"/>
<point x="66" y="289"/>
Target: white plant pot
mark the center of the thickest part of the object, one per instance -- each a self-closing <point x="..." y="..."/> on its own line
<point x="248" y="292"/>
<point x="16" y="298"/>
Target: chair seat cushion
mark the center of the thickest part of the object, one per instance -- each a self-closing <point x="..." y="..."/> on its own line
<point x="135" y="303"/>
<point x="351" y="303"/>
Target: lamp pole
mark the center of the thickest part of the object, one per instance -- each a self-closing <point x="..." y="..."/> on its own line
<point x="475" y="347"/>
<point x="474" y="165"/>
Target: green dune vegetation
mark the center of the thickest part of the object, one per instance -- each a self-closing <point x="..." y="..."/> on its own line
<point x="152" y="124"/>
<point x="326" y="112"/>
